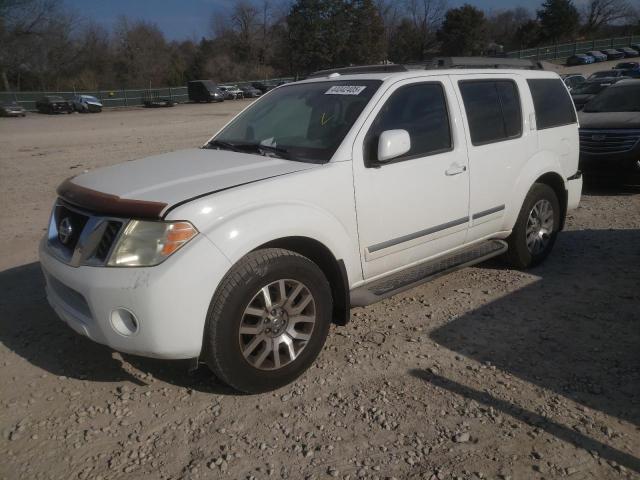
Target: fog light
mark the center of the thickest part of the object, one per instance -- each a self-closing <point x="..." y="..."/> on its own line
<point x="124" y="322"/>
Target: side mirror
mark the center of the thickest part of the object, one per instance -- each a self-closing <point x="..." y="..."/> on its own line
<point x="392" y="144"/>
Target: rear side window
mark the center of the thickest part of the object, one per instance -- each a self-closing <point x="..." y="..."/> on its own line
<point x="552" y="102"/>
<point x="493" y="110"/>
<point x="421" y="110"/>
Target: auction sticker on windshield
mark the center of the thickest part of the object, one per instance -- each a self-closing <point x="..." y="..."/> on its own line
<point x="345" y="90"/>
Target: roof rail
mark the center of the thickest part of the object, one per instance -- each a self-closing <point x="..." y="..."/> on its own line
<point x="483" y="62"/>
<point x="386" y="68"/>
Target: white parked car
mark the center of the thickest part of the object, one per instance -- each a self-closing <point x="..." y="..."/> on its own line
<point x="232" y="91"/>
<point x="86" y="104"/>
<point x="321" y="195"/>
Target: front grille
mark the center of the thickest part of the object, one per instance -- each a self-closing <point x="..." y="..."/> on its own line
<point x="78" y="237"/>
<point x="608" y="141"/>
<point x="106" y="242"/>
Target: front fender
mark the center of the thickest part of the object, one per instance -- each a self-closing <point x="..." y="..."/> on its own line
<point x="247" y="228"/>
<point x="541" y="163"/>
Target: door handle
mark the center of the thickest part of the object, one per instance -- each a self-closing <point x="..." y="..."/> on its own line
<point x="455" y="169"/>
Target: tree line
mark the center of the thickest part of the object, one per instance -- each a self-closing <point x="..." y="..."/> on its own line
<point x="44" y="46"/>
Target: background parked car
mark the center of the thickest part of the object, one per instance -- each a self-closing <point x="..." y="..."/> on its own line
<point x="573" y="80"/>
<point x="204" y="91"/>
<point x="636" y="47"/>
<point x="249" y="91"/>
<point x="227" y="95"/>
<point x="12" y="109"/>
<point x="628" y="52"/>
<point x="597" y="55"/>
<point x="580" y="59"/>
<point x="264" y="87"/>
<point x="589" y="89"/>
<point x="613" y="54"/>
<point x="53" y="104"/>
<point x="232" y="90"/>
<point x="86" y="104"/>
<point x="610" y="132"/>
<point x="630" y="69"/>
<point x="613" y="73"/>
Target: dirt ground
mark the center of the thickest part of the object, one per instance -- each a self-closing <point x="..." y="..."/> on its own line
<point x="486" y="373"/>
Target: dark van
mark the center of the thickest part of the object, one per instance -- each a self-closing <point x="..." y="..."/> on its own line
<point x="204" y="91"/>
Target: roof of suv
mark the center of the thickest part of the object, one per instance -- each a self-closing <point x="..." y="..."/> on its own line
<point x="390" y="76"/>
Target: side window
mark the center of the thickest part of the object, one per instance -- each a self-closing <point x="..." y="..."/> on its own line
<point x="421" y="110"/>
<point x="493" y="110"/>
<point x="553" y="104"/>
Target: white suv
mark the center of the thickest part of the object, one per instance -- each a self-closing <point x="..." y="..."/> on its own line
<point x="322" y="195"/>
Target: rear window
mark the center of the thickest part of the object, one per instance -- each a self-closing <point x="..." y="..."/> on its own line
<point x="552" y="102"/>
<point x="493" y="110"/>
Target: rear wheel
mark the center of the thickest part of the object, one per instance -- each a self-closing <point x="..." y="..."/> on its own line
<point x="536" y="228"/>
<point x="268" y="320"/>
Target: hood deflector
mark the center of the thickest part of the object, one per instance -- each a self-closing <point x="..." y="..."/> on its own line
<point x="107" y="204"/>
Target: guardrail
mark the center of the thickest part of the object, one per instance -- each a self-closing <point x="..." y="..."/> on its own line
<point x="108" y="98"/>
<point x="117" y="97"/>
<point x="565" y="50"/>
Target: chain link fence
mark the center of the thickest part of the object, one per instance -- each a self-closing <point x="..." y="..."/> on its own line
<point x="565" y="50"/>
<point x="120" y="98"/>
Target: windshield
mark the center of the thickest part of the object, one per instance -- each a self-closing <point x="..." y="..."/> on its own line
<point x="304" y="122"/>
<point x="589" y="88"/>
<point x="621" y="98"/>
<point x="89" y="98"/>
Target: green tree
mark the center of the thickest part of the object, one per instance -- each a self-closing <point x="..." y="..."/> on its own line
<point x="405" y="43"/>
<point x="559" y="20"/>
<point x="528" y="35"/>
<point x="366" y="39"/>
<point x="331" y="33"/>
<point x="463" y="32"/>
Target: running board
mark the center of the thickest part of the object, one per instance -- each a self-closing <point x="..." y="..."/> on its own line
<point x="413" y="276"/>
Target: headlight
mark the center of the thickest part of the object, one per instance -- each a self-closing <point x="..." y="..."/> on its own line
<point x="144" y="244"/>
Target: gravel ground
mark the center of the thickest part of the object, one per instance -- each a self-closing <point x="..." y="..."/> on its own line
<point x="485" y="373"/>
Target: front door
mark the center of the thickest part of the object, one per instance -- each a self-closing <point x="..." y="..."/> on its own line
<point x="417" y="205"/>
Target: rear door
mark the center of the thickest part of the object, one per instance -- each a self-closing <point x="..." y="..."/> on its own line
<point x="499" y="145"/>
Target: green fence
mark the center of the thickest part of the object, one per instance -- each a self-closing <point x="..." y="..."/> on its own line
<point x="565" y="50"/>
<point x="118" y="98"/>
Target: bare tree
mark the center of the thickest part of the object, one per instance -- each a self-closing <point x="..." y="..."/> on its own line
<point x="426" y="16"/>
<point x="142" y="53"/>
<point x="598" y="13"/>
<point x="504" y="26"/>
<point x="23" y="25"/>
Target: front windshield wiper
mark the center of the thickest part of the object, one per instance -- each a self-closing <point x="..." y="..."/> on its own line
<point x="219" y="144"/>
<point x="281" y="152"/>
<point x="260" y="148"/>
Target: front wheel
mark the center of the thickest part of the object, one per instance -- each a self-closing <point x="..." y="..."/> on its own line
<point x="536" y="228"/>
<point x="268" y="320"/>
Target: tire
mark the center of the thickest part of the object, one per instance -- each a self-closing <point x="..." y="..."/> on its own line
<point x="247" y="362"/>
<point x="523" y="254"/>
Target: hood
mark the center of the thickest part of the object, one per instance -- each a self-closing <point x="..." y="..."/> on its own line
<point x="605" y="120"/>
<point x="161" y="181"/>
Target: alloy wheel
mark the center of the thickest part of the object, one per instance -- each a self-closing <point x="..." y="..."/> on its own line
<point x="277" y="324"/>
<point x="540" y="225"/>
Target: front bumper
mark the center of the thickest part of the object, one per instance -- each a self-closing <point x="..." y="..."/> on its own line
<point x="169" y="301"/>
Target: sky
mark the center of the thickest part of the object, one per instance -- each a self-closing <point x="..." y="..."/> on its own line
<point x="190" y="19"/>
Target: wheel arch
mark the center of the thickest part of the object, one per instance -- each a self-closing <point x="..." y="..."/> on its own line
<point x="334" y="269"/>
<point x="556" y="182"/>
